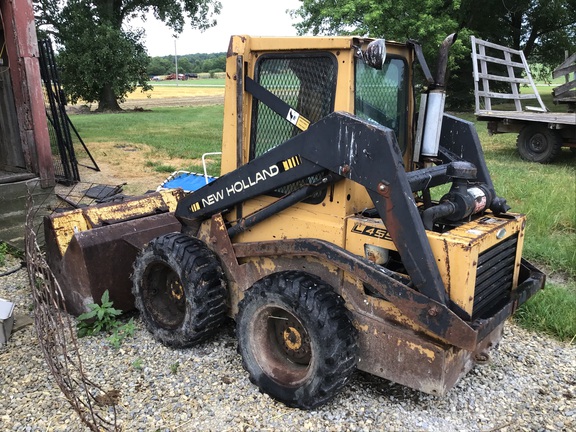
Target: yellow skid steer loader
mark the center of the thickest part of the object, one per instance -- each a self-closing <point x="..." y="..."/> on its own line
<point x="348" y="230"/>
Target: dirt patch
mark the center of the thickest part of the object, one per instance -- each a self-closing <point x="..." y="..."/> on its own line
<point x="127" y="163"/>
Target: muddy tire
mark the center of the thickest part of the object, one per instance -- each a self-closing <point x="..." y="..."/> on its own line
<point x="179" y="289"/>
<point x="537" y="143"/>
<point x="296" y="339"/>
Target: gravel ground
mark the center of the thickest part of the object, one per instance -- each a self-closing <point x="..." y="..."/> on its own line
<point x="529" y="385"/>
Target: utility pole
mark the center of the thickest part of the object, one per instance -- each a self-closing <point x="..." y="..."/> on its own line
<point x="176" y="61"/>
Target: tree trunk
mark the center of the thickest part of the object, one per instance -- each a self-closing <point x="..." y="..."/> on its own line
<point x="108" y="101"/>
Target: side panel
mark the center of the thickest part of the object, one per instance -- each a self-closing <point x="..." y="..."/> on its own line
<point x="456" y="252"/>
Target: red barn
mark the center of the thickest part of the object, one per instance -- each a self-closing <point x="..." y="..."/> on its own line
<point x="25" y="155"/>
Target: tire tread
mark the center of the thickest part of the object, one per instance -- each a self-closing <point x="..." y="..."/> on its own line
<point x="208" y="295"/>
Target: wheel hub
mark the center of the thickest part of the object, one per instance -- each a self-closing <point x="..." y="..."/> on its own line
<point x="293" y="339"/>
<point x="537" y="143"/>
<point x="175" y="288"/>
<point x="164" y="295"/>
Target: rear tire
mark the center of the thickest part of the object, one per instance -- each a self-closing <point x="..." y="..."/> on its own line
<point x="537" y="143"/>
<point x="296" y="339"/>
<point x="179" y="289"/>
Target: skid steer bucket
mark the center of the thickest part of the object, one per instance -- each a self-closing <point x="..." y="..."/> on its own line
<point x="92" y="249"/>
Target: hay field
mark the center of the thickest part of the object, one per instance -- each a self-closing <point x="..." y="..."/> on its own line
<point x="182" y="90"/>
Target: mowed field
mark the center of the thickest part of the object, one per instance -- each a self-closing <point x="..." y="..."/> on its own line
<point x="183" y="93"/>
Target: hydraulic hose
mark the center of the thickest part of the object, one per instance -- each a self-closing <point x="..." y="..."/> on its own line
<point x="432" y="214"/>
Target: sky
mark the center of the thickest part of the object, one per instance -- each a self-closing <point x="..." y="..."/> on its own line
<point x="250" y="17"/>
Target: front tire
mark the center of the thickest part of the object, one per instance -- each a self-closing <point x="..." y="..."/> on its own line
<point x="296" y="339"/>
<point x="537" y="143"/>
<point x="179" y="289"/>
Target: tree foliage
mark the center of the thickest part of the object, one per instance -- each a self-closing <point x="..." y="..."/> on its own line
<point x="101" y="57"/>
<point x="188" y="63"/>
<point x="543" y="29"/>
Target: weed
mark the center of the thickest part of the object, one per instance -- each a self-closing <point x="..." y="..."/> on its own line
<point x="137" y="364"/>
<point x="160" y="167"/>
<point x="99" y="318"/>
<point x="3" y="253"/>
<point x="174" y="368"/>
<point x="120" y="333"/>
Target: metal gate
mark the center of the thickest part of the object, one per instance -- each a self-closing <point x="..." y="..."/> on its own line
<point x="60" y="128"/>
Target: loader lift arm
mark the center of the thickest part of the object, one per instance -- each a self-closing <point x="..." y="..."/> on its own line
<point x="348" y="147"/>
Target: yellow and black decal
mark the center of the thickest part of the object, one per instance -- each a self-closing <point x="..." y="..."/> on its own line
<point x="367" y="230"/>
<point x="276" y="104"/>
<point x="297" y="119"/>
<point x="196" y="206"/>
<point x="289" y="163"/>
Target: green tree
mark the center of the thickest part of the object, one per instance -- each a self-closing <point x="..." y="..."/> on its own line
<point x="184" y="65"/>
<point x="543" y="29"/>
<point x="217" y="64"/>
<point x="159" y="66"/>
<point x="101" y="58"/>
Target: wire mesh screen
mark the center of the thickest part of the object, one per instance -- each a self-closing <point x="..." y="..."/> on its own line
<point x="306" y="83"/>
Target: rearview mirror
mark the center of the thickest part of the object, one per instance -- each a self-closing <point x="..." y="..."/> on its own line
<point x="375" y="54"/>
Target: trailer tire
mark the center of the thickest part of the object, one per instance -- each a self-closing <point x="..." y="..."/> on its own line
<point x="179" y="289"/>
<point x="537" y="143"/>
<point x="296" y="339"/>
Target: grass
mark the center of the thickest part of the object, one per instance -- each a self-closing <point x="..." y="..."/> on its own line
<point x="160" y="167"/>
<point x="3" y="253"/>
<point x="546" y="193"/>
<point x="552" y="312"/>
<point x="185" y="133"/>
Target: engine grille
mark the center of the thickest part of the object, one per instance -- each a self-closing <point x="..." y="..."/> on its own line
<point x="494" y="276"/>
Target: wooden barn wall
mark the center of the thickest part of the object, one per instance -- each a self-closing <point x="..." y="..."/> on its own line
<point x="11" y="155"/>
<point x="26" y="166"/>
<point x="13" y="202"/>
<point x="22" y="59"/>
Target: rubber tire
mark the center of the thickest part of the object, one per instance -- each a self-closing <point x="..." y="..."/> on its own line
<point x="333" y="345"/>
<point x="537" y="143"/>
<point x="189" y="307"/>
